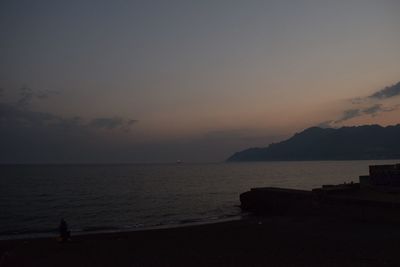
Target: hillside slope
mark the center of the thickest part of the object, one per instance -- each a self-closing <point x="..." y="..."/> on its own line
<point x="346" y="143"/>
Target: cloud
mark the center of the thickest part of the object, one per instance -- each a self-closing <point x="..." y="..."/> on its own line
<point x="19" y="113"/>
<point x="387" y="92"/>
<point x="34" y="136"/>
<point x="373" y="110"/>
<point x="371" y="105"/>
<point x="112" y="123"/>
<point x="349" y="114"/>
<point x="27" y="95"/>
<point x="325" y="124"/>
<point x="14" y="115"/>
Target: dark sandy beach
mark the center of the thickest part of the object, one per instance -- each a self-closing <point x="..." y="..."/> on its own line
<point x="270" y="241"/>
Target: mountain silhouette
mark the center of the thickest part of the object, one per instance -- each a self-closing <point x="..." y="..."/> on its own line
<point x="347" y="143"/>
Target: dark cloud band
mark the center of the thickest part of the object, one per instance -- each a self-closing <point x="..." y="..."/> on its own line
<point x="387" y="92"/>
<point x="111" y="123"/>
<point x="374" y="108"/>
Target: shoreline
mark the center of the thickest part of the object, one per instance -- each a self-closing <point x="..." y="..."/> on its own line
<point x="54" y="234"/>
<point x="252" y="241"/>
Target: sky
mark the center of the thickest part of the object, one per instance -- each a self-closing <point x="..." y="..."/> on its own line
<point x="160" y="81"/>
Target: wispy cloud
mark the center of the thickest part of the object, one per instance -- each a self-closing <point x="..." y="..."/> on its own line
<point x="371" y="105"/>
<point x="30" y="135"/>
<point x="349" y="114"/>
<point x="27" y="95"/>
<point x="112" y="123"/>
<point x="387" y="92"/>
<point x="374" y="110"/>
<point x="371" y="110"/>
<point x="20" y="112"/>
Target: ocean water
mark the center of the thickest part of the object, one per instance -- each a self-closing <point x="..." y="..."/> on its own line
<point x="101" y="198"/>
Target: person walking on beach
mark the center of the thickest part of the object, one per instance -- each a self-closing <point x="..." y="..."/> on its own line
<point x="64" y="232"/>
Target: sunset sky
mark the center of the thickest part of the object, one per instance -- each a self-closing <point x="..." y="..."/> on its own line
<point x="158" y="81"/>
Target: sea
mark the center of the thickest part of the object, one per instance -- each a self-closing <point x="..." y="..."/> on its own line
<point x="128" y="197"/>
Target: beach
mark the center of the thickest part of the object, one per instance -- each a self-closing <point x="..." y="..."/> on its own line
<point x="252" y="241"/>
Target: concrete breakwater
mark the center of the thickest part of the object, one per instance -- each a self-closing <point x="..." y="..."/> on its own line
<point x="347" y="200"/>
<point x="375" y="197"/>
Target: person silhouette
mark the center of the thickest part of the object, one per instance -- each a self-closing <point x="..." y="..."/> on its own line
<point x="64" y="232"/>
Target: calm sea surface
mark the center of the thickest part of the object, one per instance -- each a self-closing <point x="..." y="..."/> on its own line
<point x="93" y="198"/>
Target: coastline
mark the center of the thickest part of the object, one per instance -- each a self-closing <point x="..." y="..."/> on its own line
<point x="116" y="230"/>
<point x="252" y="241"/>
